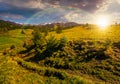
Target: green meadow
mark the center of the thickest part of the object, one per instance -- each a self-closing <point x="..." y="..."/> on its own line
<point x="14" y="37"/>
<point x="77" y="55"/>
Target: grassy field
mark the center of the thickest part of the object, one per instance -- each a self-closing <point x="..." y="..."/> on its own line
<point x="90" y="56"/>
<point x="12" y="73"/>
<point x="76" y="33"/>
<point x="14" y="37"/>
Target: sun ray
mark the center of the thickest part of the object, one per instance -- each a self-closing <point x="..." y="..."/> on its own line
<point x="102" y="21"/>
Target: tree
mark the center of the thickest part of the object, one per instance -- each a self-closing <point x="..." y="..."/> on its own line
<point x="39" y="41"/>
<point x="63" y="42"/>
<point x="59" y="30"/>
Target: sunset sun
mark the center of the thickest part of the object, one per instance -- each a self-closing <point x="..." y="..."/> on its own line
<point x="102" y="21"/>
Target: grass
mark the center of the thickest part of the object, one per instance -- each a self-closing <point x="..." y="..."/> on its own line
<point x="14" y="37"/>
<point x="12" y="73"/>
<point x="6" y="42"/>
<point x="17" y="71"/>
<point x="76" y="33"/>
<point x="91" y="56"/>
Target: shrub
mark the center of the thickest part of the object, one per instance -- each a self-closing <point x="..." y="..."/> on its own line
<point x="22" y="32"/>
<point x="109" y="53"/>
<point x="59" y="30"/>
<point x="55" y="73"/>
<point x="63" y="42"/>
<point x="116" y="44"/>
<point x="42" y="70"/>
<point x="12" y="46"/>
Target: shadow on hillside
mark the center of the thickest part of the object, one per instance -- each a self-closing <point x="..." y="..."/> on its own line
<point x="36" y="57"/>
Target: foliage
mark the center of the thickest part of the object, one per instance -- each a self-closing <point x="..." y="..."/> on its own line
<point x="12" y="47"/>
<point x="44" y="47"/>
<point x="60" y="76"/>
<point x="59" y="30"/>
<point x="89" y="57"/>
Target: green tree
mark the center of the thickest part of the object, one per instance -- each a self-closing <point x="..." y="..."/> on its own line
<point x="39" y="41"/>
<point x="63" y="42"/>
<point x="59" y="30"/>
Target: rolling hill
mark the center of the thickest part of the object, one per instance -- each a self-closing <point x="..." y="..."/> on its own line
<point x="76" y="55"/>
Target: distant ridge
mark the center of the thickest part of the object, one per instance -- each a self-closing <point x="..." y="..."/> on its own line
<point x="4" y="23"/>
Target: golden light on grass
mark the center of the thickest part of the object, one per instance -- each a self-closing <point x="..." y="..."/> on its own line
<point x="102" y="21"/>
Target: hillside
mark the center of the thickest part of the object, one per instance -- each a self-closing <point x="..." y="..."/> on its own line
<point x="14" y="70"/>
<point x="77" y="55"/>
<point x="90" y="32"/>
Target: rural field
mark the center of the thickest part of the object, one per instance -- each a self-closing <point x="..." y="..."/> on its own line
<point x="75" y="55"/>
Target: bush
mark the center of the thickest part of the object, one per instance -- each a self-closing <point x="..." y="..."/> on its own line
<point x="56" y="73"/>
<point x="59" y="30"/>
<point x="63" y="42"/>
<point x="22" y="32"/>
<point x="42" y="70"/>
<point x="12" y="47"/>
<point x="109" y="53"/>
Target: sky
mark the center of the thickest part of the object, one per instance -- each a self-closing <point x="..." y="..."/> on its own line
<point x="50" y="11"/>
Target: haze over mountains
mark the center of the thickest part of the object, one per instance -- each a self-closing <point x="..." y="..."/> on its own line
<point x="12" y="25"/>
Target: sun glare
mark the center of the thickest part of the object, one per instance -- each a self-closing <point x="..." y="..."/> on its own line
<point x="103" y="21"/>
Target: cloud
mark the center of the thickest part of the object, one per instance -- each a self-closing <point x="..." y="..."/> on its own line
<point x="55" y="10"/>
<point x="24" y="3"/>
<point x="11" y="16"/>
<point x="79" y="17"/>
<point x="111" y="9"/>
<point x="86" y="5"/>
<point x="71" y="16"/>
<point x="114" y="7"/>
<point x="118" y="1"/>
<point x="26" y="12"/>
